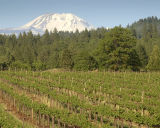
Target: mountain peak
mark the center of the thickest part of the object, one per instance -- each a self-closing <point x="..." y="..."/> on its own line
<point x="62" y="22"/>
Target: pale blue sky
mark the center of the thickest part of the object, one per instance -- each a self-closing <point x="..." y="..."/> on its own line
<point x="107" y="13"/>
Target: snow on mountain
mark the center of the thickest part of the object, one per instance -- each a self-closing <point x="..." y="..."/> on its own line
<point x="62" y="22"/>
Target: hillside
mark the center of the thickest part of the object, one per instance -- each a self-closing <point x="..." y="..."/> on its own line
<point x="149" y="23"/>
<point x="81" y="99"/>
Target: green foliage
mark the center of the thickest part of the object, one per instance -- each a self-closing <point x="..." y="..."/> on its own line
<point x="86" y="99"/>
<point x="38" y="66"/>
<point x="18" y="65"/>
<point x="142" y="55"/>
<point x="84" y="62"/>
<point x="5" y="58"/>
<point x="118" y="50"/>
<point x="147" y="27"/>
<point x="154" y="59"/>
<point x="107" y="49"/>
<point x="7" y="120"/>
<point x="51" y="50"/>
<point x="66" y="59"/>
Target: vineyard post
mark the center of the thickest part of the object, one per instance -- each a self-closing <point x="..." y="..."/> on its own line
<point x="142" y="97"/>
<point x="96" y="117"/>
<point x="50" y="105"/>
<point x="121" y="125"/>
<point x="49" y="77"/>
<point x="149" y="77"/>
<point x="80" y="110"/>
<point x="142" y="100"/>
<point x="68" y="106"/>
<point x="59" y="123"/>
<point x="101" y="119"/>
<point x="32" y="111"/>
<point x="59" y="80"/>
<point x="100" y="88"/>
<point x="43" y="118"/>
<point x="90" y="113"/>
<point x="72" y="81"/>
<point x="53" y="122"/>
<point x="15" y="69"/>
<point x="84" y="86"/>
<point x="13" y="102"/>
<point x="48" y="121"/>
<point x="114" y="122"/>
<point x="135" y="75"/>
<point x="124" y="73"/>
<point x="23" y="123"/>
<point x="39" y="118"/>
<point x="33" y="73"/>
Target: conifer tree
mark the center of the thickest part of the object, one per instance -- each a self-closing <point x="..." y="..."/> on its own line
<point x="118" y="50"/>
<point x="142" y="55"/>
<point x="154" y="59"/>
<point x="66" y="60"/>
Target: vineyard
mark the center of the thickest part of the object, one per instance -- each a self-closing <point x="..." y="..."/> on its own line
<point x="79" y="99"/>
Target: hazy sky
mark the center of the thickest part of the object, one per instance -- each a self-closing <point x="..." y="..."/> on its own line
<point x="107" y="13"/>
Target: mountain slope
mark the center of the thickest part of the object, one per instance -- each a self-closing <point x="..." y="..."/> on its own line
<point x="62" y="22"/>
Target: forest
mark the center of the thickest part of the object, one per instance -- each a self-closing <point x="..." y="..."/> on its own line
<point x="134" y="48"/>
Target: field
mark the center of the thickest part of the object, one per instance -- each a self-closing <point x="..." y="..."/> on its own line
<point x="61" y="99"/>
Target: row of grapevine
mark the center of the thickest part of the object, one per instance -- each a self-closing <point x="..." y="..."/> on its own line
<point x="101" y="99"/>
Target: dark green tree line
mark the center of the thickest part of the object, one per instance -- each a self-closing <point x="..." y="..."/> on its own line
<point x="115" y="49"/>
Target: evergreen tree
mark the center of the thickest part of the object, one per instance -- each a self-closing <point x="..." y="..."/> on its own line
<point x="142" y="55"/>
<point x="133" y="31"/>
<point x="28" y="49"/>
<point x="6" y="58"/>
<point x="100" y="55"/>
<point x="66" y="59"/>
<point x="84" y="36"/>
<point x="154" y="59"/>
<point x="84" y="62"/>
<point x="118" y="48"/>
<point x="38" y="66"/>
<point x="54" y="59"/>
<point x="46" y="38"/>
<point x="155" y="30"/>
<point x="144" y="32"/>
<point x="114" y="48"/>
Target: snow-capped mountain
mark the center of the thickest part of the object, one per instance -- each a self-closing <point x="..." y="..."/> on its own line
<point x="62" y="22"/>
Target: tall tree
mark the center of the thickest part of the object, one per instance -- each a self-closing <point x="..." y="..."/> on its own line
<point x="83" y="61"/>
<point x="154" y="59"/>
<point x="144" y="32"/>
<point x="118" y="47"/>
<point x="133" y="31"/>
<point x="142" y="55"/>
<point x="66" y="59"/>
